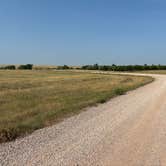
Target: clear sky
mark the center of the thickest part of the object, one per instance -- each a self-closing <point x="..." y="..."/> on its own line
<point x="77" y="32"/>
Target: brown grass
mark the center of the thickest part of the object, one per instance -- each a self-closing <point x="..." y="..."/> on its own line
<point x="153" y="72"/>
<point x="30" y="100"/>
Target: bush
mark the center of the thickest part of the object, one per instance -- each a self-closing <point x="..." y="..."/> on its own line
<point x="8" y="134"/>
<point x="10" y="67"/>
<point x="102" y="101"/>
<point x="64" y="67"/>
<point x="119" y="91"/>
<point x="26" y="67"/>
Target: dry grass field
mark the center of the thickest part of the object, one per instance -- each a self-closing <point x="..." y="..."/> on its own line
<point x="30" y="100"/>
<point x="153" y="72"/>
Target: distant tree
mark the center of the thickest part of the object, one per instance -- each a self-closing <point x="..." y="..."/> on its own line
<point x="10" y="67"/>
<point x="29" y="66"/>
<point x="64" y="67"/>
<point x="26" y="67"/>
<point x="95" y="66"/>
<point x="113" y="67"/>
<point x="153" y="67"/>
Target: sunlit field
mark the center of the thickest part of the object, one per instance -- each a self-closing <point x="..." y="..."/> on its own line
<point x="30" y="100"/>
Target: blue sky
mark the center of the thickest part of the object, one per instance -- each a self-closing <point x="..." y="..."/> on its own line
<point x="77" y="32"/>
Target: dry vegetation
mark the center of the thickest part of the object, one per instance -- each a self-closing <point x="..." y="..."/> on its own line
<point x="30" y="100"/>
<point x="154" y="71"/>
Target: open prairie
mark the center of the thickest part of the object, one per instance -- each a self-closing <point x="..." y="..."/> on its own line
<point x="33" y="99"/>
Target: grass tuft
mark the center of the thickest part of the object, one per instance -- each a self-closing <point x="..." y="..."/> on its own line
<point x="119" y="91"/>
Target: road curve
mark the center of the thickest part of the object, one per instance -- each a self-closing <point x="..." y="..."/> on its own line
<point x="129" y="130"/>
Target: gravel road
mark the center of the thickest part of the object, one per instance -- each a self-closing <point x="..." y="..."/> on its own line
<point x="129" y="130"/>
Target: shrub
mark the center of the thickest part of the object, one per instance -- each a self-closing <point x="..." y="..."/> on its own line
<point x="119" y="91"/>
<point x="102" y="100"/>
<point x="26" y="67"/>
<point x="10" y="67"/>
<point x="64" y="67"/>
<point x="8" y="134"/>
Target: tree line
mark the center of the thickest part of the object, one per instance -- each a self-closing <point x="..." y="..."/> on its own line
<point x="123" y="67"/>
<point x="112" y="67"/>
<point x="21" y="67"/>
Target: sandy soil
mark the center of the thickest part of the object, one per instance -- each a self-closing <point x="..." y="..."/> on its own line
<point x="129" y="130"/>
